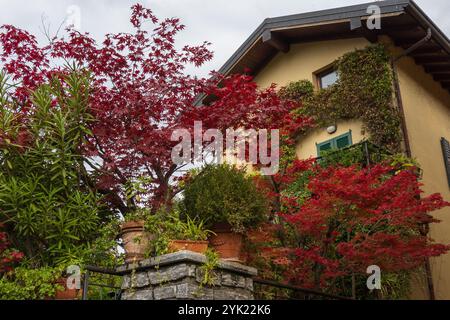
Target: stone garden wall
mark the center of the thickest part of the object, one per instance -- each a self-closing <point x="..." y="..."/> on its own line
<point x="179" y="276"/>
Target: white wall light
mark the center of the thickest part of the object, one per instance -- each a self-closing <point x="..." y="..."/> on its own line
<point x="332" y="129"/>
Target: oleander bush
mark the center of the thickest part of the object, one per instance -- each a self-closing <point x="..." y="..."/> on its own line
<point x="49" y="210"/>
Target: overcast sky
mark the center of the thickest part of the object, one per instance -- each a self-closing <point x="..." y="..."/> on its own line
<point x="225" y="23"/>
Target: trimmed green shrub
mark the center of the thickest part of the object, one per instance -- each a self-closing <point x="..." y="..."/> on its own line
<point x="224" y="194"/>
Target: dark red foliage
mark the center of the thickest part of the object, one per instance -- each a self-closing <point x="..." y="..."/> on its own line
<point x="353" y="219"/>
<point x="140" y="94"/>
<point x="8" y="256"/>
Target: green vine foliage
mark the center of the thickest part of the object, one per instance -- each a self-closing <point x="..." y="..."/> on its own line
<point x="363" y="154"/>
<point x="363" y="91"/>
<point x="209" y="277"/>
<point x="30" y="284"/>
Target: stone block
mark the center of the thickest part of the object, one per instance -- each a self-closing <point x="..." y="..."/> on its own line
<point x="143" y="294"/>
<point x="170" y="274"/>
<point x="165" y="292"/>
<point x="192" y="291"/>
<point x="140" y="280"/>
<point x="126" y="282"/>
<point x="233" y="280"/>
<point x="128" y="295"/>
<point x="138" y="294"/>
<point x="249" y="284"/>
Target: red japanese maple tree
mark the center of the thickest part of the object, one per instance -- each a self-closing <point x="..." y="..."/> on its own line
<point x="8" y="256"/>
<point x="354" y="218"/>
<point x="140" y="94"/>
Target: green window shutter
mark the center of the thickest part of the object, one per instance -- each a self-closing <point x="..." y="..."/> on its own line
<point x="344" y="141"/>
<point x="446" y="152"/>
<point x="325" y="146"/>
<point x="340" y="142"/>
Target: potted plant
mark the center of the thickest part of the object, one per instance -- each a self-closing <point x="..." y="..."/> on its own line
<point x="228" y="201"/>
<point x="136" y="240"/>
<point x="65" y="293"/>
<point x="190" y="235"/>
<point x="171" y="233"/>
<point x="400" y="163"/>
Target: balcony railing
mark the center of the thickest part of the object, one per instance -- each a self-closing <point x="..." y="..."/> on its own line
<point x="365" y="153"/>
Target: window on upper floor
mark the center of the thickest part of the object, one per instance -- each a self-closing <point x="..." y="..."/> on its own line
<point x="327" y="78"/>
<point x="337" y="143"/>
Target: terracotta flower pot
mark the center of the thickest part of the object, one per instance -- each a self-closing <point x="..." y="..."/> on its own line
<point x="226" y="243"/>
<point x="136" y="241"/>
<point x="66" y="293"/>
<point x="195" y="246"/>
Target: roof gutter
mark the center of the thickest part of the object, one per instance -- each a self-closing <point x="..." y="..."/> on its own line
<point x="416" y="12"/>
<point x="416" y="46"/>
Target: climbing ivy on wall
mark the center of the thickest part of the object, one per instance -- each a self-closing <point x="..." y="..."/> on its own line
<point x="363" y="91"/>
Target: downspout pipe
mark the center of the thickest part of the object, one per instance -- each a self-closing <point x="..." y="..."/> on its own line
<point x="408" y="51"/>
<point x="398" y="95"/>
<point x="415" y="46"/>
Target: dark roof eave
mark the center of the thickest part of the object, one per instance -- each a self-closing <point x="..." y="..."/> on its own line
<point x="356" y="11"/>
<point x="408" y="7"/>
<point x="415" y="11"/>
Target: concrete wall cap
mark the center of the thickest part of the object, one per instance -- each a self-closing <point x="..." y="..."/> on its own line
<point x="185" y="257"/>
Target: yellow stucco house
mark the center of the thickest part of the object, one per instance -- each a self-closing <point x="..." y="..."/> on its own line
<point x="304" y="46"/>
